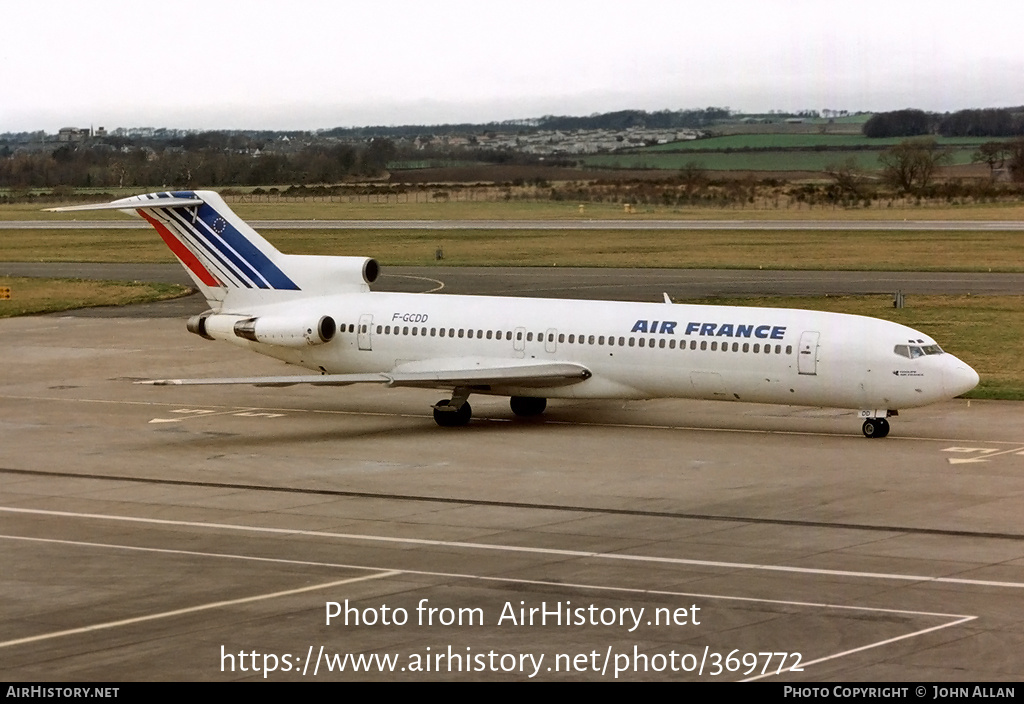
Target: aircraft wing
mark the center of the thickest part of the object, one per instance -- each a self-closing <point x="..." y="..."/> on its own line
<point x="522" y="375"/>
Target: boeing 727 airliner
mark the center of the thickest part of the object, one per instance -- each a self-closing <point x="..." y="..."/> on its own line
<point x="318" y="312"/>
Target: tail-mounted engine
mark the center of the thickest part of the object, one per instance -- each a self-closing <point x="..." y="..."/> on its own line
<point x="284" y="332"/>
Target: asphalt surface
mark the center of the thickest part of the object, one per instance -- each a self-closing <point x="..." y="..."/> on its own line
<point x="188" y="533"/>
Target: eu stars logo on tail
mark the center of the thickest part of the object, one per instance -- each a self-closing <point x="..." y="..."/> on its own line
<point x="319" y="313"/>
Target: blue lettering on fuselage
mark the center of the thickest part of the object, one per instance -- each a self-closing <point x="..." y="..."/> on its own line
<point x="668" y="327"/>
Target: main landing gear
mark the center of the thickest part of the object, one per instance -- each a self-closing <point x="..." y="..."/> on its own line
<point x="456" y="411"/>
<point x="453" y="412"/>
<point x="449" y="415"/>
<point x="527" y="406"/>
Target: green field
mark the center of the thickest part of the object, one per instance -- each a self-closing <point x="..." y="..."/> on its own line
<point x="799" y="141"/>
<point x="34" y="296"/>
<point x="783" y="151"/>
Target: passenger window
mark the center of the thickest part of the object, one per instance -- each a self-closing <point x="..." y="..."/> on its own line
<point x="789" y="349"/>
<point x="714" y="346"/>
<point x="671" y="344"/>
<point x="572" y="338"/>
<point x="378" y="329"/>
<point x="414" y="331"/>
<point x="462" y="332"/>
<point x="590" y="340"/>
<point x="561" y="337"/>
<point x="632" y="341"/>
<point x="529" y="337"/>
<point x="703" y="344"/>
<point x="661" y="343"/>
<point x="643" y="341"/>
<point x="746" y="346"/>
<point x="622" y="342"/>
<point x="757" y="347"/>
<point x="735" y="347"/>
<point x="693" y="344"/>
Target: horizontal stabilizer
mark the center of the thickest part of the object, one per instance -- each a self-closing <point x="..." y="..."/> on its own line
<point x="531" y="376"/>
<point x="134" y="203"/>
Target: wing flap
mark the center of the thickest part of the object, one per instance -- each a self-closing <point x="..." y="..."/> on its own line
<point x="540" y="375"/>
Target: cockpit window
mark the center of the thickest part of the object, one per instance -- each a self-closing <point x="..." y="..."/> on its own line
<point x="915" y="351"/>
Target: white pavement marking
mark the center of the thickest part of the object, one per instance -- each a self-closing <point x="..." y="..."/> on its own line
<point x="869" y="646"/>
<point x="985" y="452"/>
<point x="440" y="284"/>
<point x="521" y="549"/>
<point x="189" y="609"/>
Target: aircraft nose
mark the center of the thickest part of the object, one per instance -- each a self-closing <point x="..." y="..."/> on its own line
<point x="958" y="377"/>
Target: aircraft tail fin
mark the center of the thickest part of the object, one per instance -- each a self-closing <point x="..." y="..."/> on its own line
<point x="230" y="263"/>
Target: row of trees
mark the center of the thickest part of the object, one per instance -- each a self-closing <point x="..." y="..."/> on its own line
<point x="910" y="166"/>
<point x="989" y="122"/>
<point x="204" y="163"/>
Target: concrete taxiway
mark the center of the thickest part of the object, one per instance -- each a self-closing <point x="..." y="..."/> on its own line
<point x="193" y="533"/>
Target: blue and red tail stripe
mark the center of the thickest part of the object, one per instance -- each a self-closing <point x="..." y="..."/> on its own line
<point x="221" y="243"/>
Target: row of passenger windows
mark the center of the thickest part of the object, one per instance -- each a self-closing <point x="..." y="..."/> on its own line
<point x="600" y="340"/>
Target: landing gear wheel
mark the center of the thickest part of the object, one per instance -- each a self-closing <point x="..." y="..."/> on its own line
<point x="452" y="419"/>
<point x="527" y="406"/>
<point x="875" y="428"/>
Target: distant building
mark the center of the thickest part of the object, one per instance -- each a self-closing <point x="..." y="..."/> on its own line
<point x="73" y="134"/>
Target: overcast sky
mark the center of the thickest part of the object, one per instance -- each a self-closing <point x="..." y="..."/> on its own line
<point x="308" y="64"/>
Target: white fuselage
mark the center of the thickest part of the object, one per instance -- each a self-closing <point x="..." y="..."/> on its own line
<point x="634" y="350"/>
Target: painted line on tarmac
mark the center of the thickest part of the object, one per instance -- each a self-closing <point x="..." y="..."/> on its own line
<point x="186" y="610"/>
<point x="957" y="619"/>
<point x="558" y="552"/>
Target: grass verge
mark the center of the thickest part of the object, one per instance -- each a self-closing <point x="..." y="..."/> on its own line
<point x="33" y="296"/>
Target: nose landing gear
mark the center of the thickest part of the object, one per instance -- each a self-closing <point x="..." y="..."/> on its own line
<point x="875" y="428"/>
